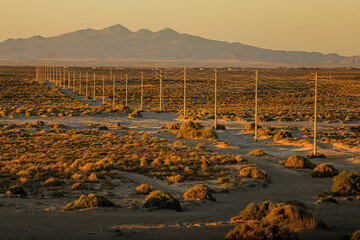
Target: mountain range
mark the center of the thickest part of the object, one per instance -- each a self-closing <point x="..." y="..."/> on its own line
<point x="118" y="42"/>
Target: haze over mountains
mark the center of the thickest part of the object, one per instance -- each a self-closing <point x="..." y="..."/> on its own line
<point x="118" y="42"/>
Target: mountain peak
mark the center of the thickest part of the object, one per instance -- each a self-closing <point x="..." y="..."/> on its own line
<point x="168" y="31"/>
<point x="116" y="28"/>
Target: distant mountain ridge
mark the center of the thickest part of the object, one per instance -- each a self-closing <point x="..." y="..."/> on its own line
<point x="118" y="42"/>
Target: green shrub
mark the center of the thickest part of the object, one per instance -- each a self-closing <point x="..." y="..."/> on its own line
<point x="144" y="189"/>
<point x="252" y="172"/>
<point x="296" y="161"/>
<point x="89" y="201"/>
<point x="260" y="231"/>
<point x="282" y="135"/>
<point x="199" y="192"/>
<point x="159" y="199"/>
<point x="324" y="170"/>
<point x="254" y="212"/>
<point x="52" y="182"/>
<point x="257" y="153"/>
<point x="16" y="189"/>
<point x="346" y="183"/>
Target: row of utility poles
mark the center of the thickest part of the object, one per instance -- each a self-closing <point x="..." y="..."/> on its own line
<point x="54" y="74"/>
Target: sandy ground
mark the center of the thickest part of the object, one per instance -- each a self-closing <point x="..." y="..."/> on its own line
<point x="204" y="220"/>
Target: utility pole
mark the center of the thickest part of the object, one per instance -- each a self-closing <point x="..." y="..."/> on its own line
<point x="94" y="87"/>
<point x="37" y="73"/>
<point x="160" y="90"/>
<point x="87" y="86"/>
<point x="60" y="77"/>
<point x="103" y="98"/>
<point x="80" y="83"/>
<point x="315" y="115"/>
<point x="185" y="92"/>
<point x="126" y="90"/>
<point x="256" y="105"/>
<point x="69" y="79"/>
<point x="74" y="80"/>
<point x="113" y="105"/>
<point x="142" y="91"/>
<point x="215" y="115"/>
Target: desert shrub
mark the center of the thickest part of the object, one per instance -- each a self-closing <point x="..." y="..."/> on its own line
<point x="102" y="128"/>
<point x="143" y="189"/>
<point x="16" y="189"/>
<point x="223" y="180"/>
<point x="291" y="217"/>
<point x="267" y="131"/>
<point x="228" y="160"/>
<point x="52" y="182"/>
<point x="257" y="153"/>
<point x="254" y="212"/>
<point x="39" y="123"/>
<point x="218" y="126"/>
<point x="324" y="170"/>
<point x="78" y="186"/>
<point x="296" y="161"/>
<point x="189" y="125"/>
<point x="134" y="114"/>
<point x="251" y="127"/>
<point x="59" y="126"/>
<point x="240" y="159"/>
<point x="298" y="204"/>
<point x="200" y="146"/>
<point x="252" y="172"/>
<point x="159" y="199"/>
<point x="306" y="132"/>
<point x="355" y="235"/>
<point x="199" y="192"/>
<point x="346" y="183"/>
<point x="264" y="118"/>
<point x="260" y="231"/>
<point x="282" y="135"/>
<point x="89" y="201"/>
<point x="318" y="155"/>
<point x="173" y="126"/>
<point x="326" y="199"/>
<point x="196" y="134"/>
<point x="175" y="179"/>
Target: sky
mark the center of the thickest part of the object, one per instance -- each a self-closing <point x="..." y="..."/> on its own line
<point x="327" y="26"/>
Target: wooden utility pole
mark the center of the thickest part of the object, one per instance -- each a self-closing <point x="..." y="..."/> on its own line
<point x="184" y="92"/>
<point x="113" y="105"/>
<point x="315" y="115"/>
<point x="60" y="77"/>
<point x="69" y="79"/>
<point x="161" y="90"/>
<point x="256" y="105"/>
<point x="142" y="91"/>
<point x="126" y="90"/>
<point x="94" y="87"/>
<point x="80" y="83"/>
<point x="74" y="82"/>
<point x="103" y="98"/>
<point x="37" y="73"/>
<point x="215" y="112"/>
<point x="87" y="86"/>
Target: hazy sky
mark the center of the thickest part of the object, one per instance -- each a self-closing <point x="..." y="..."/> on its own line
<point x="318" y="25"/>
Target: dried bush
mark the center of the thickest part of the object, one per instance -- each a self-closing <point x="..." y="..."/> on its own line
<point x="324" y="170"/>
<point x="283" y="135"/>
<point x="252" y="172"/>
<point x="17" y="190"/>
<point x="346" y="183"/>
<point x="78" y="186"/>
<point x="257" y="153"/>
<point x="296" y="161"/>
<point x="251" y="127"/>
<point x="144" y="189"/>
<point x="199" y="192"/>
<point x="52" y="182"/>
<point x="89" y="201"/>
<point x="254" y="212"/>
<point x="159" y="199"/>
